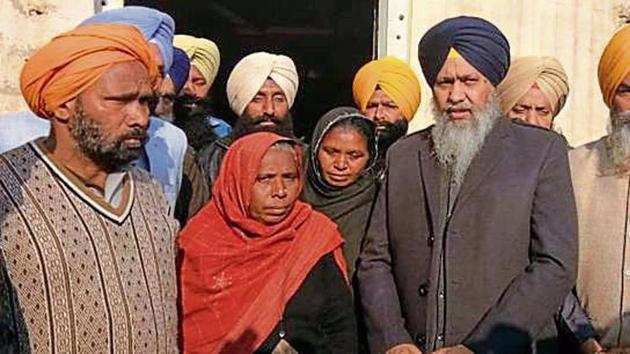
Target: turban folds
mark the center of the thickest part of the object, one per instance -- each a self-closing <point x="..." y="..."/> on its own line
<point x="156" y="26"/>
<point x="478" y="41"/>
<point x="249" y="75"/>
<point x="614" y="64"/>
<point x="546" y="72"/>
<point x="394" y="77"/>
<point x="73" y="61"/>
<point x="203" y="54"/>
<point x="180" y="69"/>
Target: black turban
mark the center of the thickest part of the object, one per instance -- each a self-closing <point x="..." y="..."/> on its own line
<point x="478" y="41"/>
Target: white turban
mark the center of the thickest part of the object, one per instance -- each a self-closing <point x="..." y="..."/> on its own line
<point x="249" y="75"/>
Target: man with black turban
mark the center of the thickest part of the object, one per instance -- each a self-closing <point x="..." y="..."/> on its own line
<point x="472" y="242"/>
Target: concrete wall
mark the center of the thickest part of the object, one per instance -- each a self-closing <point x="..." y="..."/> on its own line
<point x="574" y="31"/>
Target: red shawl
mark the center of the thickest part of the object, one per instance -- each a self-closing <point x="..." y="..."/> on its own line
<point x="238" y="274"/>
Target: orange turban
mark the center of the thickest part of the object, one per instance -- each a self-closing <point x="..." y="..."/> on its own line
<point x="75" y="60"/>
<point x="394" y="77"/>
<point x="614" y="64"/>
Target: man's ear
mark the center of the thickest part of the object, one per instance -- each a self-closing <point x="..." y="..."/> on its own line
<point x="65" y="111"/>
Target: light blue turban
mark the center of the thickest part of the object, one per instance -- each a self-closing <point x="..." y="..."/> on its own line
<point x="157" y="27"/>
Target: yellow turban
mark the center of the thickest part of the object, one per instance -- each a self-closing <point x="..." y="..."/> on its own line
<point x="203" y="54"/>
<point x="394" y="77"/>
<point x="546" y="72"/>
<point x="614" y="64"/>
<point x="249" y="75"/>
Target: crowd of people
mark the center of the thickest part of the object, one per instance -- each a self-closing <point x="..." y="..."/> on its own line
<point x="134" y="220"/>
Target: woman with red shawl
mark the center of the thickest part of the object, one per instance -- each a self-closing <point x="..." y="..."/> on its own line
<point x="261" y="271"/>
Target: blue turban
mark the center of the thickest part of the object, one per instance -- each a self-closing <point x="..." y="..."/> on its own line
<point x="478" y="41"/>
<point x="156" y="26"/>
<point x="180" y="69"/>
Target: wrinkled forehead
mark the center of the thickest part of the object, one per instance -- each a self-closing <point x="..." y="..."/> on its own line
<point x="281" y="157"/>
<point x="535" y="98"/>
<point x="124" y="78"/>
<point x="379" y="96"/>
<point x="270" y="87"/>
<point x="455" y="67"/>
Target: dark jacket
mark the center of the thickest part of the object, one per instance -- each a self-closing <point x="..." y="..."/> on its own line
<point x="510" y="244"/>
<point x="210" y="157"/>
<point x="193" y="193"/>
<point x="319" y="318"/>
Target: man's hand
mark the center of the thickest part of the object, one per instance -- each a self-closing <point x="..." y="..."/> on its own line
<point x="404" y="349"/>
<point x="616" y="351"/>
<point x="591" y="346"/>
<point x="460" y="349"/>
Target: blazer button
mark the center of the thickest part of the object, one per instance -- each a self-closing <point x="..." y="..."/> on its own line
<point x="423" y="290"/>
<point x="421" y="340"/>
<point x="431" y="240"/>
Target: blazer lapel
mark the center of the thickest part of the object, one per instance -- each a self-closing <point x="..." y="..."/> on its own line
<point x="492" y="153"/>
<point x="432" y="184"/>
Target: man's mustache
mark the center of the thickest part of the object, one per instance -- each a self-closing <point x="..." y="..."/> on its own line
<point x="137" y="133"/>
<point x="458" y="107"/>
<point x="266" y="118"/>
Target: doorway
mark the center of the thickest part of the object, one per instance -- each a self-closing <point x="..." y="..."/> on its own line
<point x="329" y="40"/>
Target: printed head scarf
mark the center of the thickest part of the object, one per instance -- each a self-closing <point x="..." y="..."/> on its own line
<point x="73" y="61"/>
<point x="545" y="72"/>
<point x="156" y="26"/>
<point x="203" y="54"/>
<point x="180" y="69"/>
<point x="614" y="64"/>
<point x="247" y="269"/>
<point x="476" y="40"/>
<point x="249" y="75"/>
<point x="349" y="207"/>
<point x="394" y="77"/>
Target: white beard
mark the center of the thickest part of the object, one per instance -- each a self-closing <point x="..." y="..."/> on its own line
<point x="456" y="143"/>
<point x="618" y="144"/>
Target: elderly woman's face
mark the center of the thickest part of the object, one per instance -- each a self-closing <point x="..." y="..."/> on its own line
<point x="342" y="156"/>
<point x="276" y="187"/>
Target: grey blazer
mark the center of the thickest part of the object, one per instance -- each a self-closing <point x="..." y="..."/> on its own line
<point x="510" y="245"/>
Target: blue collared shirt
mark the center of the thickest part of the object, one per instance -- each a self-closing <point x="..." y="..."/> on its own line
<point x="219" y="127"/>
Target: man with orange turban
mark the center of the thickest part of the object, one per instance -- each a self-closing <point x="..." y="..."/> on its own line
<point x="88" y="256"/>
<point x="388" y="92"/>
<point x="164" y="155"/>
<point x="601" y="176"/>
<point x="534" y="90"/>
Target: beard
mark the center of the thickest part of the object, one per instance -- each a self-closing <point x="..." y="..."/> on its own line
<point x="456" y="143"/>
<point x="618" y="144"/>
<point x="109" y="152"/>
<point x="247" y="125"/>
<point x="190" y="116"/>
<point x="188" y="105"/>
<point x="390" y="134"/>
